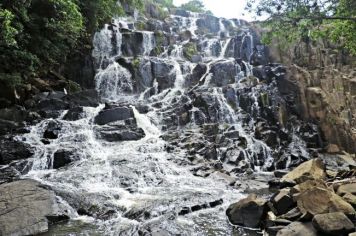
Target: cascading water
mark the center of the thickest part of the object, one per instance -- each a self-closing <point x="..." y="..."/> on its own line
<point x="141" y="187"/>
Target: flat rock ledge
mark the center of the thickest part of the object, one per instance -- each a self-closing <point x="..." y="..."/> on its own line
<point x="27" y="208"/>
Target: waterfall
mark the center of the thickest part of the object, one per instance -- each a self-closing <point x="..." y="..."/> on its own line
<point x="181" y="119"/>
<point x="148" y="43"/>
<point x="113" y="81"/>
<point x="224" y="48"/>
<point x="247" y="42"/>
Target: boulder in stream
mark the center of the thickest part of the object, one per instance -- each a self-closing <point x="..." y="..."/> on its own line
<point x="248" y="212"/>
<point x="27" y="208"/>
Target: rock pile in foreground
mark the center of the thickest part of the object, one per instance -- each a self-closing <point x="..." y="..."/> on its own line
<point x="310" y="200"/>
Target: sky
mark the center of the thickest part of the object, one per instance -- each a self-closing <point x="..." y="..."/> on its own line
<point x="225" y="8"/>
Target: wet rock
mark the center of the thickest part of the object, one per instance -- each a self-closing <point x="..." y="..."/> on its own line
<point x="114" y="114"/>
<point x="292" y="215"/>
<point x="52" y="105"/>
<point x="162" y="71"/>
<point x="14" y="114"/>
<point x="52" y="130"/>
<point x="198" y="71"/>
<point x="335" y="223"/>
<point x="9" y="174"/>
<point x="7" y="126"/>
<point x="247" y="212"/>
<point x="122" y="135"/>
<point x="64" y="157"/>
<point x="282" y="201"/>
<point x="75" y="113"/>
<point x="313" y="169"/>
<point x="319" y="201"/>
<point x="223" y="73"/>
<point x="27" y="208"/>
<point x="85" y="98"/>
<point x="298" y="229"/>
<point x="11" y="150"/>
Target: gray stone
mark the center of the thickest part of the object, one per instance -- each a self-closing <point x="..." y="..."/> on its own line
<point x="335" y="223"/>
<point x="27" y="208"/>
<point x="114" y="114"/>
<point x="247" y="212"/>
<point x="298" y="229"/>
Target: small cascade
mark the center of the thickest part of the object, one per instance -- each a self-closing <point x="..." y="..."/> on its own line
<point x="222" y="28"/>
<point x="247" y="46"/>
<point x="113" y="81"/>
<point x="224" y="48"/>
<point x="148" y="43"/>
<point x="193" y="24"/>
<point x="179" y="82"/>
<point x="177" y="51"/>
<point x="104" y="50"/>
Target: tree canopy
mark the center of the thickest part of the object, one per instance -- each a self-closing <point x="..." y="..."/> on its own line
<point x="194" y="6"/>
<point x="292" y="20"/>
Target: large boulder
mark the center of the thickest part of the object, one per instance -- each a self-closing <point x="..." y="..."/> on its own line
<point x="282" y="201"/>
<point x="312" y="169"/>
<point x="75" y="113"/>
<point x="319" y="201"/>
<point x="298" y="229"/>
<point x="116" y="132"/>
<point x="335" y="223"/>
<point x="85" y="98"/>
<point x="114" y="114"/>
<point x="27" y="208"/>
<point x="11" y="150"/>
<point x="247" y="212"/>
<point x="64" y="157"/>
<point x="224" y="72"/>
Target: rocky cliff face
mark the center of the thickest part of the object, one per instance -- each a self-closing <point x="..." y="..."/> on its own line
<point x="321" y="82"/>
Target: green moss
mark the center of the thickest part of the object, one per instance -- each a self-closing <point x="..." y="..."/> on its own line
<point x="189" y="50"/>
<point x="136" y="63"/>
<point x="264" y="99"/>
<point x="140" y="25"/>
<point x="73" y="87"/>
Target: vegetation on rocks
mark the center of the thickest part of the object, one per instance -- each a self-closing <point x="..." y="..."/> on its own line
<point x="290" y="21"/>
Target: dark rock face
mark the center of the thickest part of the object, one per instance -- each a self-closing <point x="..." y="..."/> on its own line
<point x="120" y="132"/>
<point x="224" y="73"/>
<point x="11" y="150"/>
<point x="114" y="114"/>
<point x="161" y="70"/>
<point x="333" y="224"/>
<point x="64" y="157"/>
<point x="247" y="212"/>
<point x="85" y="98"/>
<point x="52" y="130"/>
<point x="30" y="208"/>
<point x="75" y="113"/>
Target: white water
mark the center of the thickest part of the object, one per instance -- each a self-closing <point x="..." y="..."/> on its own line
<point x="140" y="177"/>
<point x="224" y="48"/>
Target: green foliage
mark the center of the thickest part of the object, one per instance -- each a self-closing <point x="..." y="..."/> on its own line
<point x="39" y="35"/>
<point x="294" y="20"/>
<point x="194" y="6"/>
<point x="8" y="32"/>
<point x="165" y="3"/>
<point x="189" y="50"/>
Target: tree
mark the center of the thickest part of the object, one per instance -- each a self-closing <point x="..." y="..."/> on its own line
<point x="292" y="20"/>
<point x="194" y="6"/>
